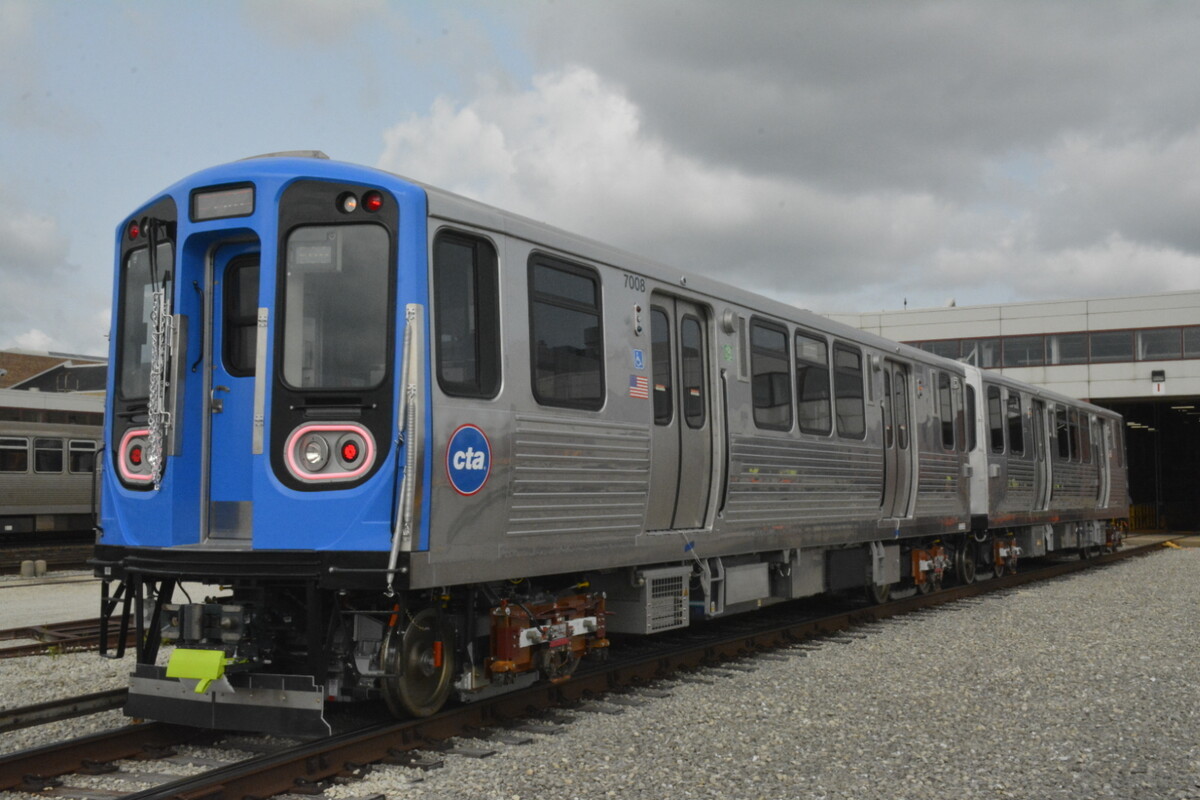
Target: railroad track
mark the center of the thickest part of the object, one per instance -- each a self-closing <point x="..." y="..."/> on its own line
<point x="305" y="766"/>
<point x="56" y="637"/>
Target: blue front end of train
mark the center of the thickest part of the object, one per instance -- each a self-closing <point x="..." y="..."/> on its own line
<point x="261" y="427"/>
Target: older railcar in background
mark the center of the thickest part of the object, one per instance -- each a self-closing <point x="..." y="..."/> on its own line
<point x="48" y="444"/>
<point x="428" y="449"/>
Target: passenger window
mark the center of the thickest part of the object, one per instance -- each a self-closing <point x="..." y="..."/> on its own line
<point x="972" y="436"/>
<point x="848" y="392"/>
<point x="887" y="424"/>
<point x="900" y="410"/>
<point x="660" y="357"/>
<point x="1016" y="433"/>
<point x="812" y="384"/>
<point x="770" y="381"/>
<point x="565" y="334"/>
<point x="995" y="419"/>
<point x="1085" y="438"/>
<point x="467" y="322"/>
<point x="691" y="347"/>
<point x="240" y="327"/>
<point x="47" y="455"/>
<point x="14" y="454"/>
<point x="81" y="456"/>
<point x="1073" y="415"/>
<point x="946" y="410"/>
<point x="1062" y="433"/>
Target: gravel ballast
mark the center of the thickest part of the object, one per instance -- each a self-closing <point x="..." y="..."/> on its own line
<point x="1086" y="687"/>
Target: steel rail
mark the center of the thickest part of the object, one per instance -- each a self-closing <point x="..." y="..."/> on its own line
<point x="12" y="719"/>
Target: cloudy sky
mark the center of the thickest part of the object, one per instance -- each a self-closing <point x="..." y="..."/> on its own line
<point x="845" y="156"/>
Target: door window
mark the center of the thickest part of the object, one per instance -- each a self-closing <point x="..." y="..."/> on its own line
<point x="691" y="358"/>
<point x="660" y="355"/>
<point x="240" y="324"/>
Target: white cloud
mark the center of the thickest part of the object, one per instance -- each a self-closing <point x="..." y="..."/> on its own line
<point x="41" y="290"/>
<point x="572" y="150"/>
<point x="36" y="339"/>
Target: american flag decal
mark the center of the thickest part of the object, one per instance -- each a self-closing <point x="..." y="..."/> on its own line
<point x="639" y="387"/>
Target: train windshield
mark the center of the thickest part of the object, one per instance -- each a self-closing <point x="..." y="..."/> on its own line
<point x="335" y="316"/>
<point x="137" y="290"/>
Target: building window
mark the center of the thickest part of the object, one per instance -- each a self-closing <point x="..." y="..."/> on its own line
<point x="14" y="454"/>
<point x="1024" y="351"/>
<point x="983" y="353"/>
<point x="1067" y="348"/>
<point x="995" y="419"/>
<point x="566" y="334"/>
<point x="848" y="392"/>
<point x="812" y="384"/>
<point x="467" y="307"/>
<point x="1112" y="346"/>
<point x="1191" y="342"/>
<point x="770" y="381"/>
<point x="1158" y="344"/>
<point x="947" y="348"/>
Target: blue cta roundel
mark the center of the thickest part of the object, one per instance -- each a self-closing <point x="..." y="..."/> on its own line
<point x="468" y="459"/>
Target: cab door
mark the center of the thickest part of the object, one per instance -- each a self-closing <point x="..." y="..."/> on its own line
<point x="232" y="351"/>
<point x="681" y="471"/>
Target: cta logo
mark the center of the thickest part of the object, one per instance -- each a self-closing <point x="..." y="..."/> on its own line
<point x="468" y="460"/>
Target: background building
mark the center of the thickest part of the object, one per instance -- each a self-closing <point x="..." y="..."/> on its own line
<point x="52" y="372"/>
<point x="1137" y="355"/>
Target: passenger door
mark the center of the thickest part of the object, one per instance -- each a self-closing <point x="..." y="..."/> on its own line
<point x="1041" y="466"/>
<point x="681" y="470"/>
<point x="1100" y="454"/>
<point x="232" y="350"/>
<point x="897" y="449"/>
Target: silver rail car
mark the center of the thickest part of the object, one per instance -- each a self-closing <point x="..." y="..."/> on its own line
<point x="771" y="451"/>
<point x="48" y="445"/>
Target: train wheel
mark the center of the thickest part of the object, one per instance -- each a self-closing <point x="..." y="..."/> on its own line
<point x="419" y="662"/>
<point x="878" y="594"/>
<point x="964" y="561"/>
